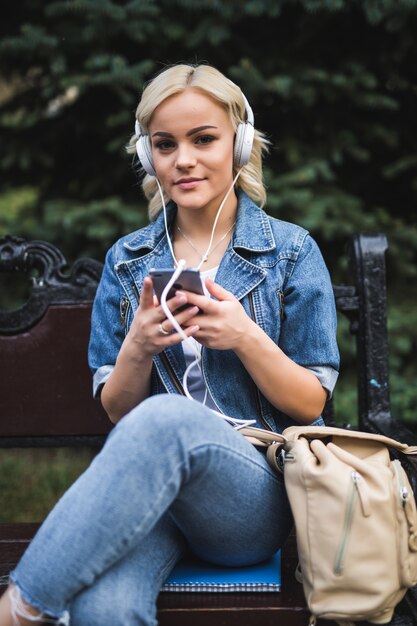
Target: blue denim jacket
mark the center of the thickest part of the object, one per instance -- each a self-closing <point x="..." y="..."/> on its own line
<point x="276" y="271"/>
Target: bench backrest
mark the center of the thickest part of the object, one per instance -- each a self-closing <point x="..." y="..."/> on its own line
<point x="45" y="383"/>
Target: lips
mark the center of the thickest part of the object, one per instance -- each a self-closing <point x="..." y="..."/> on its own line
<point x="188" y="183"/>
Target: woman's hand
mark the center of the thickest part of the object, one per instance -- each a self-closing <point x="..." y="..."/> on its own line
<point x="223" y="323"/>
<point x="129" y="382"/>
<point x="146" y="334"/>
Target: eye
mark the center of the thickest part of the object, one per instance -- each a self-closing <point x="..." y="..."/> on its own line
<point x="205" y="139"/>
<point x="164" y="144"/>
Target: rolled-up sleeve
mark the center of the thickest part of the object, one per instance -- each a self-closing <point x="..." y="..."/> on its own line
<point x="107" y="334"/>
<point x="327" y="376"/>
<point x="308" y="333"/>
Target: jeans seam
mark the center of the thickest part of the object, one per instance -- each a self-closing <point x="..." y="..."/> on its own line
<point x="151" y="511"/>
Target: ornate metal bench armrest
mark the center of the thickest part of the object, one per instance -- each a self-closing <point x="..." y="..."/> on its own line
<point x="51" y="285"/>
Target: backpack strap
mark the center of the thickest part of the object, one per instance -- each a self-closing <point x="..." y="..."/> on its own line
<point x="261" y="437"/>
<point x="321" y="432"/>
<point x="274" y="441"/>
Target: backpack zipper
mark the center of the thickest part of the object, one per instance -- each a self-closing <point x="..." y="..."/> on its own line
<point x="355" y="491"/>
<point x="402" y="489"/>
<point x="406" y="504"/>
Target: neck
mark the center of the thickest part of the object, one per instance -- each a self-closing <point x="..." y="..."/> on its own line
<point x="198" y="223"/>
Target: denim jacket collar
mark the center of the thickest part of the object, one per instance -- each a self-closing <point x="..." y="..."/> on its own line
<point x="243" y="265"/>
<point x="253" y="230"/>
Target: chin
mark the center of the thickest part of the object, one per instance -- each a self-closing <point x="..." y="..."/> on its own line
<point x="190" y="200"/>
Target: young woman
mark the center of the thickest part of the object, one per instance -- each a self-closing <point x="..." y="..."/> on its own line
<point x="173" y="474"/>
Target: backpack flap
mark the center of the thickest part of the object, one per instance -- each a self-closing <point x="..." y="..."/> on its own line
<point x="323" y="432"/>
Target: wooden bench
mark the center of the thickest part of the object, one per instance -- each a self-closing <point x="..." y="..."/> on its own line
<point x="45" y="391"/>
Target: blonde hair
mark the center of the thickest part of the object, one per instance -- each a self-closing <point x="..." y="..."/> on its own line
<point x="213" y="83"/>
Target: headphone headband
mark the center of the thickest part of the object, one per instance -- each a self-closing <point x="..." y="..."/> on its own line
<point x="249" y="112"/>
<point x="242" y="151"/>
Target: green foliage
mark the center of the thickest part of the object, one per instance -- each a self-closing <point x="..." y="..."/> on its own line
<point x="31" y="481"/>
<point x="331" y="82"/>
<point x="403" y="338"/>
<point x="17" y="210"/>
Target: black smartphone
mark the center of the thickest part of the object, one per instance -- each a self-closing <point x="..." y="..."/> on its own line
<point x="189" y="280"/>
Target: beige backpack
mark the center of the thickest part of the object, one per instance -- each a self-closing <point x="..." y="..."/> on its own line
<point x="355" y="518"/>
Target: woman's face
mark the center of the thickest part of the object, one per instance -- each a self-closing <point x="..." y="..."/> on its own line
<point x="192" y="141"/>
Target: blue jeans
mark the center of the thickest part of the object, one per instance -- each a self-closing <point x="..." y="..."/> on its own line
<point x="171" y="474"/>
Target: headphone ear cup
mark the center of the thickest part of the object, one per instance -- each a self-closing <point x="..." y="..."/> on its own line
<point x="243" y="144"/>
<point x="144" y="152"/>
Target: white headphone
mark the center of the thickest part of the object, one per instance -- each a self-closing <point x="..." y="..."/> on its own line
<point x="242" y="150"/>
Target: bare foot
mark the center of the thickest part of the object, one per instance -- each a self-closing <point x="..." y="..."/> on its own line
<point x="6" y="613"/>
<point x="6" y="618"/>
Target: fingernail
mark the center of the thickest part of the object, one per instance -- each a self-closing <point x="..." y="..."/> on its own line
<point x="181" y="298"/>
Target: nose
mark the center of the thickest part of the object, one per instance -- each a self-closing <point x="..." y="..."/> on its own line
<point x="185" y="157"/>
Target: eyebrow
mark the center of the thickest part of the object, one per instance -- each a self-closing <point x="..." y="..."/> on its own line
<point x="160" y="133"/>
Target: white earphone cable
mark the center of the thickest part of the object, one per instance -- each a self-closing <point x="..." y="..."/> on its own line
<point x="217" y="218"/>
<point x="161" y="193"/>
<point x="180" y="266"/>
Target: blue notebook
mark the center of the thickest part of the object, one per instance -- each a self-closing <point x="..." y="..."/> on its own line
<point x="192" y="574"/>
